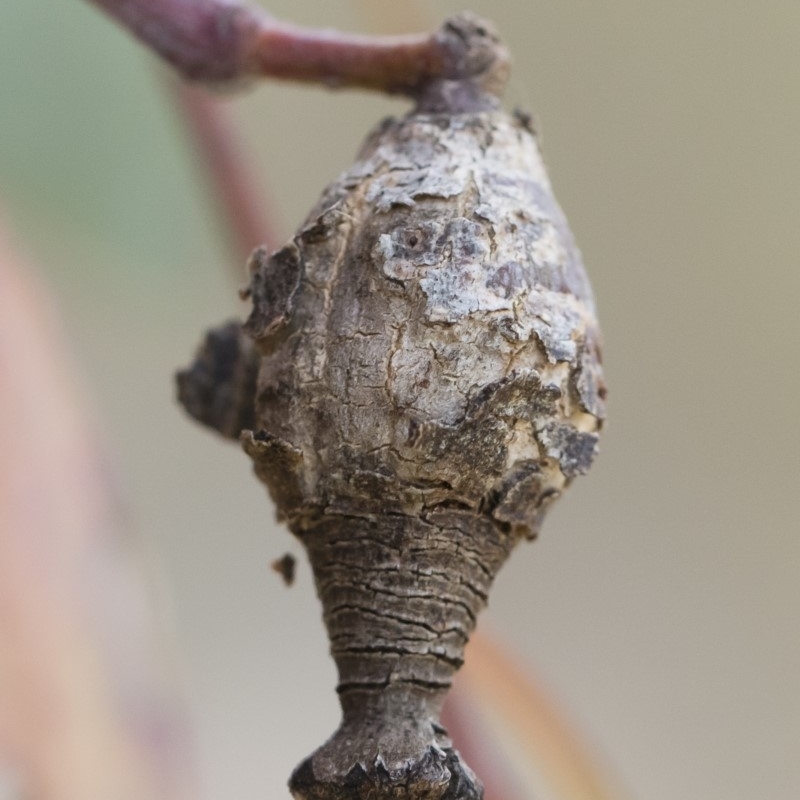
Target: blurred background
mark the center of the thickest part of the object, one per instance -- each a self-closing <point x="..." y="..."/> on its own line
<point x="660" y="606"/>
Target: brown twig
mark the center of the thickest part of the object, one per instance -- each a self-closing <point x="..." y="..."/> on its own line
<point x="240" y="201"/>
<point x="219" y="41"/>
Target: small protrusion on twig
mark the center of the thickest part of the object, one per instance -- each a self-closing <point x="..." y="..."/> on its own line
<point x="219" y="41"/>
<point x="218" y="389"/>
<point x="476" y="56"/>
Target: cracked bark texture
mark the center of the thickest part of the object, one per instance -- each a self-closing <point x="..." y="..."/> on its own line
<point x="428" y="382"/>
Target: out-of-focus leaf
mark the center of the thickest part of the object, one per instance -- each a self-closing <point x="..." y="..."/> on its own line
<point x="85" y="713"/>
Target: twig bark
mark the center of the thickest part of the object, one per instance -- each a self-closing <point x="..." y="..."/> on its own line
<point x="428" y="382"/>
<point x="219" y="41"/>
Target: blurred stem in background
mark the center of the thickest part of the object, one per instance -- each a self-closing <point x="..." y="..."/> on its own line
<point x="243" y="206"/>
<point x="87" y="711"/>
<point x="530" y="738"/>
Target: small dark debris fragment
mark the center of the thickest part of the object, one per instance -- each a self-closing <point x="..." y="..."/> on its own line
<point x="285" y="567"/>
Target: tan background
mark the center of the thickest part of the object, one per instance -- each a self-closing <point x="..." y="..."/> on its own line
<point x="661" y="604"/>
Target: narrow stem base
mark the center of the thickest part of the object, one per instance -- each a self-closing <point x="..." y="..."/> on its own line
<point x="400" y="597"/>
